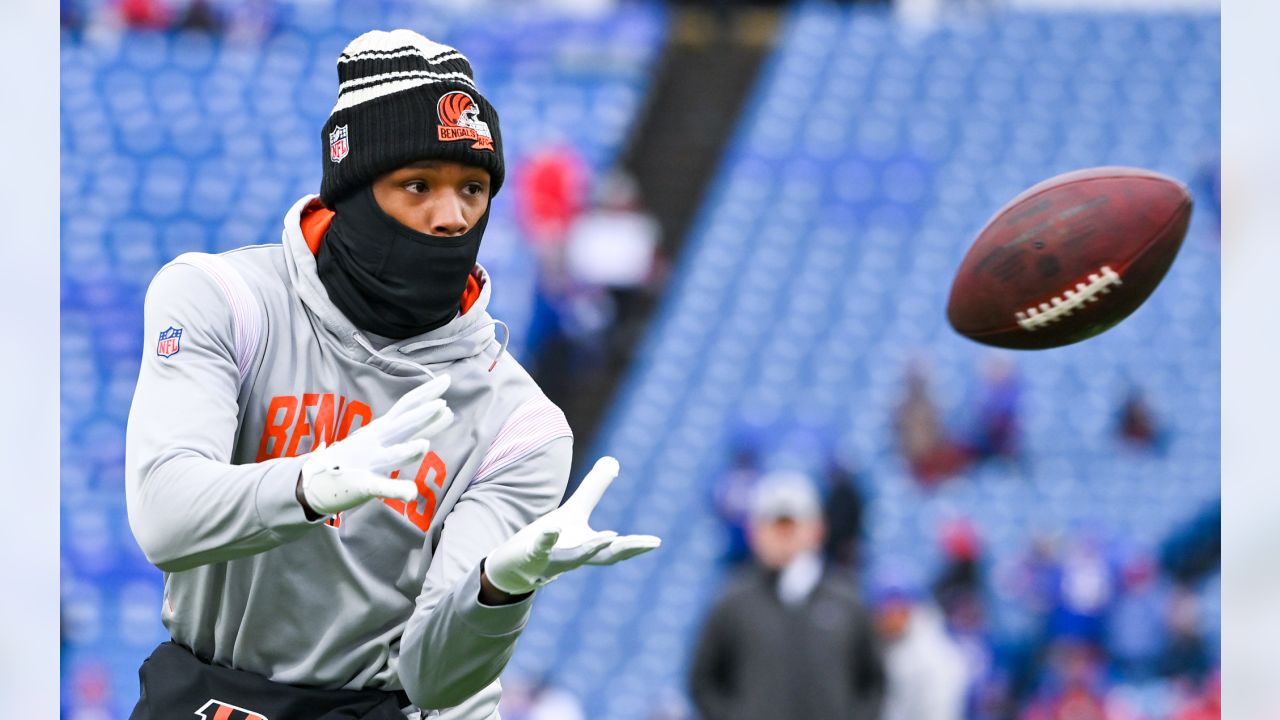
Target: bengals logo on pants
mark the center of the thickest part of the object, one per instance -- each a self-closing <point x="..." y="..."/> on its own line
<point x="460" y="120"/>
<point x="218" y="710"/>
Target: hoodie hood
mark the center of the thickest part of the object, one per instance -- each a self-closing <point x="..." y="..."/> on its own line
<point x="467" y="335"/>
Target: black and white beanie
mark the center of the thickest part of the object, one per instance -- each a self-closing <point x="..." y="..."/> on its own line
<point x="403" y="98"/>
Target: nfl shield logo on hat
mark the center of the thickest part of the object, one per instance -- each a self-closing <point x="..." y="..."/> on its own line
<point x="338" y="144"/>
<point x="170" y="340"/>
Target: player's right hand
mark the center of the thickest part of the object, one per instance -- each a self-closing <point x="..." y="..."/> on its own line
<point x="355" y="469"/>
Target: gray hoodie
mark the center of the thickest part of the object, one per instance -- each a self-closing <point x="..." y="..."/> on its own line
<point x="246" y="366"/>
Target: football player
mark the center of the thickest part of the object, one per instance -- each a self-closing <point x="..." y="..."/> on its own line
<point x="351" y="489"/>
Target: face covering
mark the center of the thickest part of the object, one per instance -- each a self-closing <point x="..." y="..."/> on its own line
<point x="389" y="279"/>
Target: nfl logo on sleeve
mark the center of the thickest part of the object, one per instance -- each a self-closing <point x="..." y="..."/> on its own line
<point x="338" y="144"/>
<point x="169" y="342"/>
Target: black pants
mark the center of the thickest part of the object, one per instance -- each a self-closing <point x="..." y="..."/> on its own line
<point x="177" y="684"/>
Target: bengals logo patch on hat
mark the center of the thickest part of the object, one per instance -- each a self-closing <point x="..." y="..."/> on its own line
<point x="460" y="120"/>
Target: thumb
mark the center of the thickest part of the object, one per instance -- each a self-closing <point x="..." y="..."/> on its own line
<point x="546" y="540"/>
<point x="584" y="499"/>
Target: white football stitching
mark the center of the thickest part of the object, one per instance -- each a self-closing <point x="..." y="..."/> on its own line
<point x="1036" y="317"/>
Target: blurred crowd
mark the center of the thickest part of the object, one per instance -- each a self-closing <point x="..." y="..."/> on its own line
<point x="245" y="20"/>
<point x="1081" y="626"/>
<point x="935" y="448"/>
<point x="248" y="20"/>
<point x="254" y="18"/>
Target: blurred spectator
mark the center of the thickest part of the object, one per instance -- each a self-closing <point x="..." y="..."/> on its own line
<point x="1206" y="704"/>
<point x="200" y="16"/>
<point x="1037" y="576"/>
<point x="566" y="338"/>
<point x="1086" y="588"/>
<point x="960" y="582"/>
<point x="843" y="513"/>
<point x="1034" y="589"/>
<point x="612" y="244"/>
<point x="572" y="317"/>
<point x="90" y="692"/>
<point x="1138" y="426"/>
<point x="1195" y="550"/>
<point x="987" y="689"/>
<point x="924" y="444"/>
<point x="996" y="433"/>
<point x="146" y="14"/>
<point x="1186" y="652"/>
<point x="1136" y="629"/>
<point x="785" y="639"/>
<point x="732" y="502"/>
<point x="71" y="16"/>
<point x="1073" y="685"/>
<point x="550" y="192"/>
<point x="926" y="671"/>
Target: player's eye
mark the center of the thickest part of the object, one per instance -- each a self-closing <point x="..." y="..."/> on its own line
<point x="474" y="189"/>
<point x="415" y="186"/>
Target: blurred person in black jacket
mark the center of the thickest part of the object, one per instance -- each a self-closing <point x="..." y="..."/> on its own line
<point x="843" y="513"/>
<point x="786" y="639"/>
<point x="1186" y="652"/>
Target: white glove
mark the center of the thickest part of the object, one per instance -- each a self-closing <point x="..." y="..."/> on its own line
<point x="354" y="470"/>
<point x="562" y="540"/>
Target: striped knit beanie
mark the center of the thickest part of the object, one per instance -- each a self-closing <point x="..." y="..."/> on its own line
<point x="403" y="98"/>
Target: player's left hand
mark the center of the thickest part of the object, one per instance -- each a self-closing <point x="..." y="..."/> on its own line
<point x="563" y="540"/>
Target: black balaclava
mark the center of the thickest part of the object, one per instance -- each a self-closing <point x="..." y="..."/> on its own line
<point x="388" y="278"/>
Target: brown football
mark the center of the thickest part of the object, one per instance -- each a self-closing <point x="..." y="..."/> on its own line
<point x="1069" y="258"/>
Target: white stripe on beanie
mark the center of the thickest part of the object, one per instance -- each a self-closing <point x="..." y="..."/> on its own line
<point x="388" y="54"/>
<point x="377" y="45"/>
<point x="383" y="41"/>
<point x="456" y="77"/>
<point x="373" y="92"/>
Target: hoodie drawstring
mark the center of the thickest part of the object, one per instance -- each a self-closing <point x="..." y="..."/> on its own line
<point x="423" y="344"/>
<point x="364" y="343"/>
<point x="506" y="338"/>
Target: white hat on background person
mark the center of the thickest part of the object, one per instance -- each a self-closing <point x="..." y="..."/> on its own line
<point x="785" y="495"/>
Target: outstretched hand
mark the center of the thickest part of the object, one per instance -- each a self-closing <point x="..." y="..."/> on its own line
<point x="563" y="540"/>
